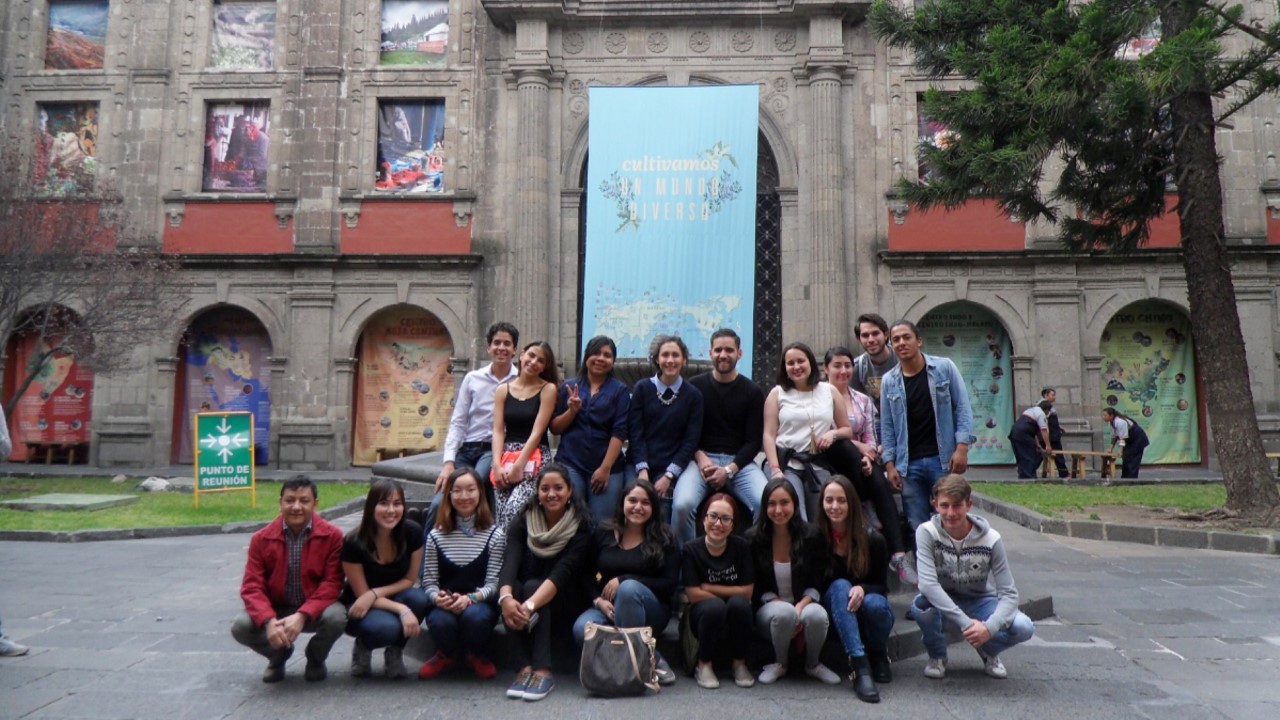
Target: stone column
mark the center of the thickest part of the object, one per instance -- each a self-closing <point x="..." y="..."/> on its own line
<point x="528" y="275"/>
<point x="830" y="292"/>
<point x="306" y="427"/>
<point x="1091" y="398"/>
<point x="319" y="44"/>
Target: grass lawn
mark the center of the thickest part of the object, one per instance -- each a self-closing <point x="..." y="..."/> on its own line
<point x="152" y="509"/>
<point x="1051" y="499"/>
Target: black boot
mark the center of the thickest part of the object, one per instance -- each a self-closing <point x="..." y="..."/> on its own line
<point x="863" y="686"/>
<point x="880" y="669"/>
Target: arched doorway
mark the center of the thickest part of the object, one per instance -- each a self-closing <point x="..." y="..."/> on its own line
<point x="223" y="365"/>
<point x="767" y="314"/>
<point x="403" y="388"/>
<point x="1149" y="373"/>
<point x="53" y="412"/>
<point x="977" y="342"/>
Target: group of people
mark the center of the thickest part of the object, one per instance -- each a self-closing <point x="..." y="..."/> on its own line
<point x="599" y="535"/>
<point x="1037" y="434"/>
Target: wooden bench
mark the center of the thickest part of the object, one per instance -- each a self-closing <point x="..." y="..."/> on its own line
<point x="385" y="453"/>
<point x="64" y="451"/>
<point x="1077" y="459"/>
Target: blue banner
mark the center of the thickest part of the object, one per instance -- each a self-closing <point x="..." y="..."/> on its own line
<point x="671" y="216"/>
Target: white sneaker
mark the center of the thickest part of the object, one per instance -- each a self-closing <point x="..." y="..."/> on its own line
<point x="9" y="648"/>
<point x="741" y="675"/>
<point x="705" y="676"/>
<point x="906" y="573"/>
<point x="823" y="673"/>
<point x="936" y="668"/>
<point x="770" y="673"/>
<point x="992" y="666"/>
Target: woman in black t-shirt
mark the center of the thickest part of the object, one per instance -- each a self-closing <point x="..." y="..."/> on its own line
<point x="718" y="578"/>
<point x="381" y="559"/>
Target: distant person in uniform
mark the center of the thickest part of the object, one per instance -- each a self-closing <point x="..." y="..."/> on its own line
<point x="1030" y="436"/>
<point x="1055" y="431"/>
<point x="1129" y="436"/>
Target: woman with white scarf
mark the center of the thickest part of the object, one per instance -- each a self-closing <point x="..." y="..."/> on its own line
<point x="547" y="546"/>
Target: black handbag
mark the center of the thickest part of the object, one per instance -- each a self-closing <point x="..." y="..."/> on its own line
<point x="617" y="662"/>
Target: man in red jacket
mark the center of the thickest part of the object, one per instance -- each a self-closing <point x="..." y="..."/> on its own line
<point x="291" y="584"/>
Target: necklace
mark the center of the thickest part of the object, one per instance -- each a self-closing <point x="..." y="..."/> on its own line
<point x="667" y="400"/>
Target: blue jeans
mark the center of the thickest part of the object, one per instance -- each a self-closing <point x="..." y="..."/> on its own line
<point x="917" y="489"/>
<point x="602" y="505"/>
<point x="381" y="628"/>
<point x="866" y="629"/>
<point x="747" y="485"/>
<point x="634" y="605"/>
<point x="472" y="630"/>
<point x="480" y="458"/>
<point x="929" y="619"/>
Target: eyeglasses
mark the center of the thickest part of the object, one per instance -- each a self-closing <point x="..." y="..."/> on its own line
<point x="718" y="518"/>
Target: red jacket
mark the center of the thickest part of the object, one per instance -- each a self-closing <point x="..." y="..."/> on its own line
<point x="267" y="568"/>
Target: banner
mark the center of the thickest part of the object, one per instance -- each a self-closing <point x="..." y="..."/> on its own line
<point x="975" y="340"/>
<point x="404" y="392"/>
<point x="57" y="406"/>
<point x="414" y="32"/>
<point x="671" y="201"/>
<point x="1148" y="373"/>
<point x="227" y="370"/>
<point x="77" y="38"/>
<point x="411" y="146"/>
<point x="244" y="35"/>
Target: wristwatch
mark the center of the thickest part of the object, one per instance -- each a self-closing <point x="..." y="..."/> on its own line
<point x="528" y="605"/>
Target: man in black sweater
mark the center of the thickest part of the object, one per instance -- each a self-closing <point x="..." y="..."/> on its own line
<point x="732" y="428"/>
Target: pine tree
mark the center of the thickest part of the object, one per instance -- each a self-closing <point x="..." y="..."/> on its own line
<point x="1059" y="124"/>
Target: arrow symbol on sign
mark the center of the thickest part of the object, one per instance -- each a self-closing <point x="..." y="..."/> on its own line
<point x="224" y="427"/>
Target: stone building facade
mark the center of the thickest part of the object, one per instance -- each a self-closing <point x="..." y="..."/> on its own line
<point x="316" y="250"/>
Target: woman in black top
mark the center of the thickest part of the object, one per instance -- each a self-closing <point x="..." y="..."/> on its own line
<point x="547" y="547"/>
<point x="521" y="412"/>
<point x="787" y="553"/>
<point x="460" y="576"/>
<point x="718" y="578"/>
<point x="857" y="591"/>
<point x="381" y="559"/>
<point x="639" y="564"/>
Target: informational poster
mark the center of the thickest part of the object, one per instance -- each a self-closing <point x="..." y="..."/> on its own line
<point x="57" y="406"/>
<point x="671" y="215"/>
<point x="975" y="340"/>
<point x="404" y="391"/>
<point x="1149" y="374"/>
<point x="236" y="146"/>
<point x="77" y="37"/>
<point x="411" y="146"/>
<point x="244" y="35"/>
<point x="227" y="370"/>
<point x="414" y="32"/>
<point x="65" y="159"/>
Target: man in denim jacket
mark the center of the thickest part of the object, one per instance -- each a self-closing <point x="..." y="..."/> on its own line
<point x="926" y="422"/>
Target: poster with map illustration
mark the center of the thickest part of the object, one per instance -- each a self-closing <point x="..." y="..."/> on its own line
<point x="671" y="216"/>
<point x="244" y="35"/>
<point x="1148" y="373"/>
<point x="57" y="406"/>
<point x="974" y="339"/>
<point x="404" y="391"/>
<point x="77" y="38"/>
<point x="226" y="368"/>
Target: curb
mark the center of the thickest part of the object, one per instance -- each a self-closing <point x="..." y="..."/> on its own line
<point x="1263" y="544"/>
<point x="142" y="533"/>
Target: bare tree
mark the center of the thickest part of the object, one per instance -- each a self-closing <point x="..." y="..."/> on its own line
<point x="75" y="273"/>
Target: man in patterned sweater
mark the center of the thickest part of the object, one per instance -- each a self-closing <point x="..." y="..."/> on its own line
<point x="965" y="579"/>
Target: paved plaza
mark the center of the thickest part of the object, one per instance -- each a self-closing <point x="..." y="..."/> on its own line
<point x="139" y="629"/>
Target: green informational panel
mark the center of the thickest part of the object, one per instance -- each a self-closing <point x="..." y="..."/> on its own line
<point x="223" y="452"/>
<point x="1148" y="373"/>
<point x="975" y="340"/>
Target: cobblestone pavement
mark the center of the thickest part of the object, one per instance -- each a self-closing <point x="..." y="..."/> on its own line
<point x="139" y="629"/>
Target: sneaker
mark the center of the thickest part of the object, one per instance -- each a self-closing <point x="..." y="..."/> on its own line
<point x="316" y="671"/>
<point x="539" y="687"/>
<point x="9" y="648"/>
<point x="666" y="676"/>
<point x="516" y="689"/>
<point x="770" y="673"/>
<point x="361" y="659"/>
<point x="823" y="673"/>
<point x="742" y="677"/>
<point x="393" y="659"/>
<point x="992" y="666"/>
<point x="936" y="668"/>
<point x="437" y="664"/>
<point x="705" y="676"/>
<point x="482" y="668"/>
<point x="906" y="573"/>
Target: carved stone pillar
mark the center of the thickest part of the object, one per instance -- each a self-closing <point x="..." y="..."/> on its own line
<point x="529" y="261"/>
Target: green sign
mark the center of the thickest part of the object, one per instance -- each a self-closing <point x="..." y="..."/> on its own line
<point x="223" y="451"/>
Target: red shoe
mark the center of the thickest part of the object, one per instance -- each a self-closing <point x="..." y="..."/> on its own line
<point x="481" y="667"/>
<point x="436" y="665"/>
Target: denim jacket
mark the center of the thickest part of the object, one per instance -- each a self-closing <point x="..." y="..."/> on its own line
<point x="953" y="416"/>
